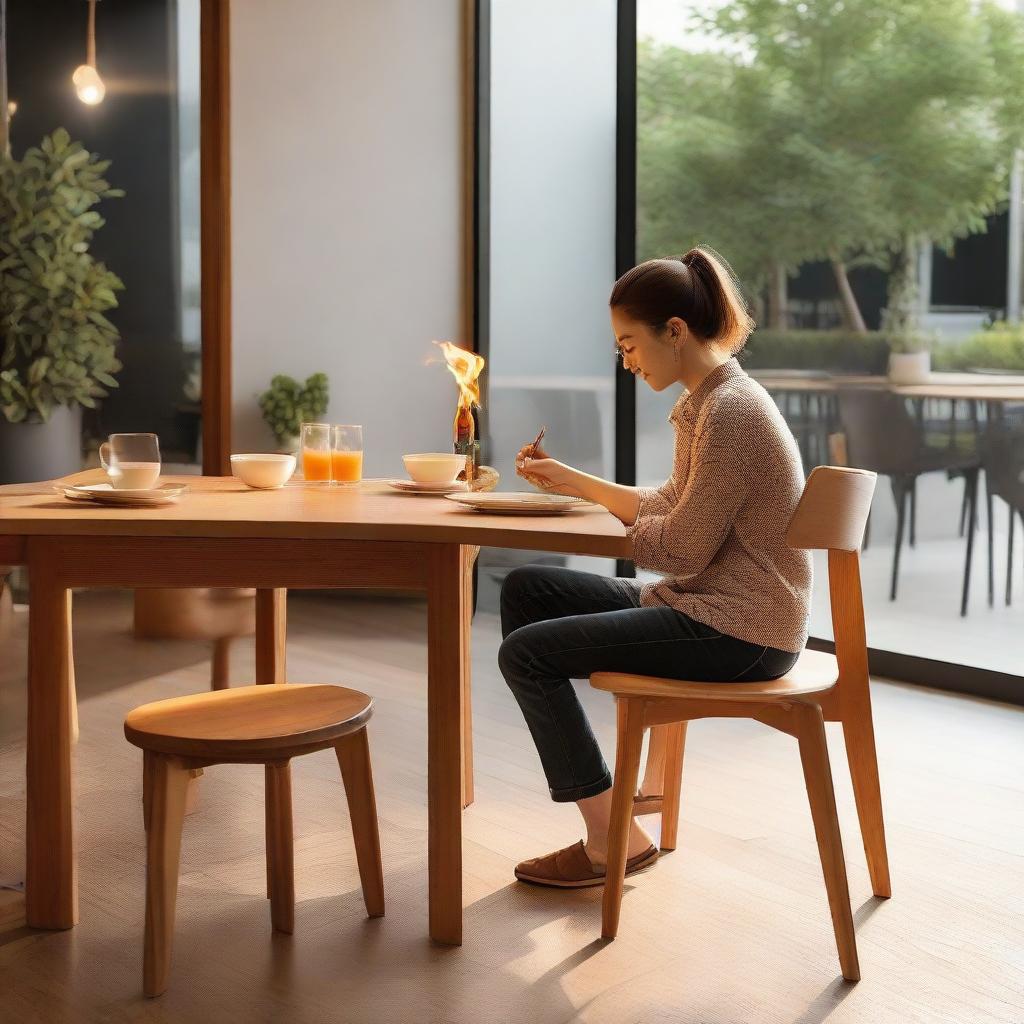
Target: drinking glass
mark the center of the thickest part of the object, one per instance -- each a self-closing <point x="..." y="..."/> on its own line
<point x="346" y="453"/>
<point x="132" y="461"/>
<point x="316" y="453"/>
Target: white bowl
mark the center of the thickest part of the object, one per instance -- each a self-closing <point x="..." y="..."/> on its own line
<point x="263" y="471"/>
<point x="434" y="467"/>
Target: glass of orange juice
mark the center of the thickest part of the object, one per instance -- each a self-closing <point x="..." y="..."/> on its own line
<point x="346" y="453"/>
<point x="316" y="453"/>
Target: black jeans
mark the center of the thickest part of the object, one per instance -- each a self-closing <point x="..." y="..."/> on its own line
<point x="559" y="625"/>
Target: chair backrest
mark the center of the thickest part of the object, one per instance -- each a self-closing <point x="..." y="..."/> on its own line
<point x="881" y="435"/>
<point x="833" y="509"/>
<point x="831" y="515"/>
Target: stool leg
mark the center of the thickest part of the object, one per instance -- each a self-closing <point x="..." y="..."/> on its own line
<point x="354" y="760"/>
<point x="280" y="847"/>
<point x="169" y="781"/>
<point x="148" y="757"/>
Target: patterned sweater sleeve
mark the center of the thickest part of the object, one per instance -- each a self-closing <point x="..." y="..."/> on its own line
<point x="656" y="501"/>
<point x="684" y="538"/>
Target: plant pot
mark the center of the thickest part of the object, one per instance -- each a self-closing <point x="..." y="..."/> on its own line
<point x="910" y="367"/>
<point x="41" y="451"/>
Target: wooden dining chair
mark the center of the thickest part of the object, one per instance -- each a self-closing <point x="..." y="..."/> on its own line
<point x="264" y="724"/>
<point x="820" y="688"/>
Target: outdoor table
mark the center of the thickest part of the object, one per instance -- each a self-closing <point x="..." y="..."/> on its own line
<point x="984" y="387"/>
<point x="222" y="534"/>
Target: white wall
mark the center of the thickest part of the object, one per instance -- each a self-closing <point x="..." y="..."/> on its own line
<point x="347" y="212"/>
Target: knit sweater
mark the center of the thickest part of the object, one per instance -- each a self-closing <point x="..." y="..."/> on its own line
<point x="716" y="528"/>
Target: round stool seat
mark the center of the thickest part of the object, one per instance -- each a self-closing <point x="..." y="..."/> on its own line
<point x="249" y="722"/>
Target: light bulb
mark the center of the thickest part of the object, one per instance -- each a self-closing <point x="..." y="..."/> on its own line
<point x="88" y="85"/>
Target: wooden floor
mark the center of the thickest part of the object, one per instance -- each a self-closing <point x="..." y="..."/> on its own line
<point x="732" y="927"/>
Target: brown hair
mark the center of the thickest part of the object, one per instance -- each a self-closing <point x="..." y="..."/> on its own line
<point x="699" y="288"/>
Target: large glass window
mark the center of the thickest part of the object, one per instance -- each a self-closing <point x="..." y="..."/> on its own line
<point x="859" y="165"/>
<point x="552" y="238"/>
<point x="147" y="126"/>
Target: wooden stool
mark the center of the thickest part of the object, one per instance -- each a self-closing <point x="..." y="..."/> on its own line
<point x="820" y="688"/>
<point x="268" y="725"/>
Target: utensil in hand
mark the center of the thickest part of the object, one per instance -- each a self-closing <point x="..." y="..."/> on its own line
<point x="520" y="464"/>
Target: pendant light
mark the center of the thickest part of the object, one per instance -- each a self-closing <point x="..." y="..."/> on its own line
<point x="88" y="84"/>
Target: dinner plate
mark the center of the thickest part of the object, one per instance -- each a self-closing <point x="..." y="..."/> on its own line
<point x="520" y="503"/>
<point x="415" y="487"/>
<point x="106" y="494"/>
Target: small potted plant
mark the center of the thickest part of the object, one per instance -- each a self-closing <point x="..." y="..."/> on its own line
<point x="57" y="347"/>
<point x="287" y="404"/>
<point x="910" y="355"/>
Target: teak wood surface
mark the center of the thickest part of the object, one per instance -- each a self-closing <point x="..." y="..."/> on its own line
<point x="222" y="534"/>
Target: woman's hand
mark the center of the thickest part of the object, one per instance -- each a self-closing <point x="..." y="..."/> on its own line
<point x="539" y="469"/>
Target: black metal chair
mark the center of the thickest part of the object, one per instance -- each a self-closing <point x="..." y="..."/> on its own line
<point x="883" y="435"/>
<point x="1004" y="478"/>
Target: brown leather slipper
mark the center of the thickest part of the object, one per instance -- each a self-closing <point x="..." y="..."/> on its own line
<point x="571" y="868"/>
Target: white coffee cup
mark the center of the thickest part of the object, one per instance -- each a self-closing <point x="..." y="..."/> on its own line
<point x="132" y="461"/>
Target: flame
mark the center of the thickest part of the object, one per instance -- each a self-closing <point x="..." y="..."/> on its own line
<point x="466" y="368"/>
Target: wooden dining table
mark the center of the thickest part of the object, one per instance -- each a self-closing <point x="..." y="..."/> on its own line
<point x="222" y="534"/>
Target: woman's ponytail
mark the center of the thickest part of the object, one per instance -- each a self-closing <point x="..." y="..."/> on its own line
<point x="699" y="288"/>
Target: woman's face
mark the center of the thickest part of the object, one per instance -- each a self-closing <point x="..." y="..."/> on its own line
<point x="648" y="353"/>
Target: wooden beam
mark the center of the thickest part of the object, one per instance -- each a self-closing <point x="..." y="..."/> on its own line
<point x="215" y="232"/>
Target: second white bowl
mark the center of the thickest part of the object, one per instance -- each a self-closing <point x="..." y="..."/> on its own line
<point x="434" y="467"/>
<point x="263" y="471"/>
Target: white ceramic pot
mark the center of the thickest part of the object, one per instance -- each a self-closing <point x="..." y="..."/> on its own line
<point x="910" y="367"/>
<point x="267" y="472"/>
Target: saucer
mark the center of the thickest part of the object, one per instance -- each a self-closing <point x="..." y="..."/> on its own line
<point x="415" y="487"/>
<point x="126" y="497"/>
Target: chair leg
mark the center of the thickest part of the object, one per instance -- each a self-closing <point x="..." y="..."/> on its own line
<point x="1009" y="557"/>
<point x="859" y="737"/>
<point x="169" y="781"/>
<point x="913" y="513"/>
<point x="899" y="490"/>
<point x="971" y="485"/>
<point x="220" y="664"/>
<point x="354" y="760"/>
<point x="673" y="785"/>
<point x="653" y="784"/>
<point x="991" y="541"/>
<point x="280" y="846"/>
<point x="821" y="796"/>
<point x="629" y="744"/>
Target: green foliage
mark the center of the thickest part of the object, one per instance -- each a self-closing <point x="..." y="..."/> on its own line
<point x="827" y="130"/>
<point x="1001" y="347"/>
<point x="286" y="404"/>
<point x="835" y="351"/>
<point x="56" y="344"/>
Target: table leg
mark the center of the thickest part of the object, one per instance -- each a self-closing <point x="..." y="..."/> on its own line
<point x="271" y="635"/>
<point x="468" y="793"/>
<point x="446" y="668"/>
<point x="51" y="878"/>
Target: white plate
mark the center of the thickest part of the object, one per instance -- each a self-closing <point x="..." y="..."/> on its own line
<point x="105" y="494"/>
<point x="415" y="487"/>
<point x="520" y="503"/>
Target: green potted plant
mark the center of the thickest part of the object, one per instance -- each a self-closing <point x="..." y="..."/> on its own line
<point x="910" y="346"/>
<point x="57" y="347"/>
<point x="287" y="404"/>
